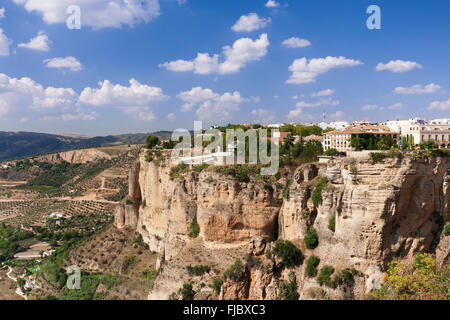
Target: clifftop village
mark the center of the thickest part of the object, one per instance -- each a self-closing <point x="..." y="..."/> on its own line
<point x="358" y="135"/>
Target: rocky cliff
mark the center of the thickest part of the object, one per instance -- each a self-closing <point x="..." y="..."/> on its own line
<point x="381" y="211"/>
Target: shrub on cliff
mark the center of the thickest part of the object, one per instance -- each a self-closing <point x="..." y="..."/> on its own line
<point x="447" y="230"/>
<point x="311" y="266"/>
<point x="216" y="285"/>
<point x="198" y="270"/>
<point x="290" y="255"/>
<point x="332" y="223"/>
<point x="195" y="228"/>
<point x="234" y="272"/>
<point x="422" y="280"/>
<point x="377" y="157"/>
<point x="317" y="194"/>
<point x="288" y="290"/>
<point x="325" y="276"/>
<point x="175" y="172"/>
<point x="187" y="292"/>
<point x="311" y="239"/>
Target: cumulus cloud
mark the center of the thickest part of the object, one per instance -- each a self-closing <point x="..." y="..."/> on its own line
<point x="4" y="107"/>
<point x="4" y="44"/>
<point x="295" y="113"/>
<point x="321" y="103"/>
<point x="295" y="42"/>
<point x="304" y="71"/>
<point x="96" y="13"/>
<point x="250" y="22"/>
<point x="25" y="96"/>
<point x="370" y="107"/>
<point x="38" y="43"/>
<point x="418" y="89"/>
<point x="272" y="4"/>
<point x="263" y="115"/>
<point x="440" y="105"/>
<point x="78" y="115"/>
<point x="130" y="99"/>
<point x="211" y="105"/>
<point x="26" y="93"/>
<point x="235" y="58"/>
<point x="171" y="116"/>
<point x="70" y="63"/>
<point x="396" y="106"/>
<point x="2" y="13"/>
<point x="323" y="93"/>
<point x="398" y="66"/>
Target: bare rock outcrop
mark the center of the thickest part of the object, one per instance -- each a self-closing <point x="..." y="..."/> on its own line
<point x="381" y="210"/>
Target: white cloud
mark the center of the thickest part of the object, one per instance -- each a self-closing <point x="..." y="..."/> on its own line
<point x="263" y="115"/>
<point x="26" y="93"/>
<point x="79" y="115"/>
<point x="211" y="105"/>
<point x="304" y="71"/>
<point x="70" y="63"/>
<point x="440" y="105"/>
<point x="250" y="22"/>
<point x="130" y="99"/>
<point x="370" y="107"/>
<point x="338" y="115"/>
<point x="96" y="13"/>
<point x="396" y="106"/>
<point x="418" y="89"/>
<point x="146" y="115"/>
<point x="398" y="66"/>
<point x="272" y="4"/>
<point x="295" y="42"/>
<point x="171" y="116"/>
<point x="38" y="43"/>
<point x="243" y="51"/>
<point x="322" y="102"/>
<point x="323" y="93"/>
<point x="4" y="44"/>
<point x="2" y="13"/>
<point x="4" y="107"/>
<point x="295" y="113"/>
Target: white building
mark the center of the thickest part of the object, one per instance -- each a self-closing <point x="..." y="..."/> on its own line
<point x="418" y="131"/>
<point x="340" y="139"/>
<point x="275" y="125"/>
<point x="338" y="125"/>
<point x="397" y="125"/>
<point x="440" y="121"/>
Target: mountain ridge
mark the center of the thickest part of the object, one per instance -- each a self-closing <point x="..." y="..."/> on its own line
<point x="20" y="144"/>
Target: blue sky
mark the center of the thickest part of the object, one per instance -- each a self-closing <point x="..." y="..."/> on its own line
<point x="157" y="46"/>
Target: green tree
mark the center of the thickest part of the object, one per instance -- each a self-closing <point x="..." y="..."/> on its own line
<point x="290" y="255"/>
<point x="152" y="141"/>
<point x="311" y="239"/>
<point x="311" y="266"/>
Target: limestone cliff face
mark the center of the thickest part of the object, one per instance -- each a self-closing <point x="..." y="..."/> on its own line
<point x="76" y="156"/>
<point x="381" y="211"/>
<point x="227" y="211"/>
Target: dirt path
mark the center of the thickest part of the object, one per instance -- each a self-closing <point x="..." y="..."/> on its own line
<point x="18" y="290"/>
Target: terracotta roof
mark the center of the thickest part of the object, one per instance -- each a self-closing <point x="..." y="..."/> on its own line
<point x="313" y="138"/>
<point x="361" y="129"/>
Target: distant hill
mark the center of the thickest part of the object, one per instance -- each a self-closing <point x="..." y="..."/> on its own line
<point x="21" y="144"/>
<point x="139" y="138"/>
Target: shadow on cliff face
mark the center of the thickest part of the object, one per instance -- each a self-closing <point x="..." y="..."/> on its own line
<point x="414" y="216"/>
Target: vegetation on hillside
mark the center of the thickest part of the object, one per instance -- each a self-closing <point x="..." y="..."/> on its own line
<point x="420" y="280"/>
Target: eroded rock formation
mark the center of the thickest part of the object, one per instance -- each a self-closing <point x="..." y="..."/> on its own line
<point x="381" y="211"/>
